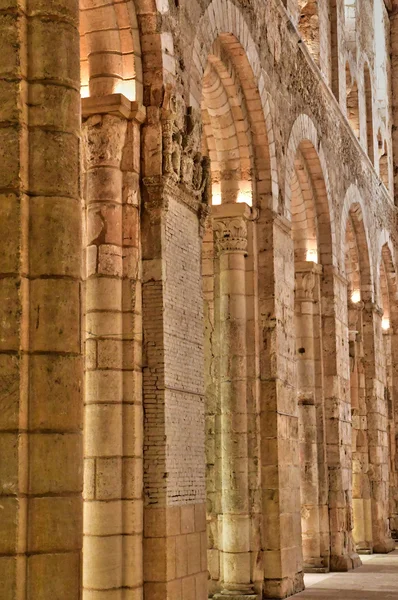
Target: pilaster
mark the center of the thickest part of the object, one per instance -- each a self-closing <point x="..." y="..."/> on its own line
<point x="314" y="484"/>
<point x="361" y="492"/>
<point x="377" y="417"/>
<point x="338" y="419"/>
<point x="113" y="515"/>
<point x="174" y="209"/>
<point x="283" y="570"/>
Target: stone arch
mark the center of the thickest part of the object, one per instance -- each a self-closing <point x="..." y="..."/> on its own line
<point x="228" y="131"/>
<point x="355" y="223"/>
<point x="308" y="26"/>
<point x="110" y="50"/>
<point x="334" y="47"/>
<point x="223" y="20"/>
<point x="387" y="294"/>
<point x="357" y="269"/>
<point x="383" y="157"/>
<point x="352" y="101"/>
<point x="379" y="16"/>
<point x="112" y="61"/>
<point x="386" y="261"/>
<point x="308" y="206"/>
<point x="350" y="15"/>
<point x="304" y="139"/>
<point x="368" y="92"/>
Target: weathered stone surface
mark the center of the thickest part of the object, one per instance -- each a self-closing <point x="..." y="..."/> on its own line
<point x="228" y="181"/>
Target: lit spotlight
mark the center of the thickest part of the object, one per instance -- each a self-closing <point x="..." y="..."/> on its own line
<point x="312" y="256"/>
<point x="356" y="296"/>
<point x="385" y="323"/>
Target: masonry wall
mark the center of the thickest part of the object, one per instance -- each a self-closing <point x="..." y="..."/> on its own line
<point x="197" y="442"/>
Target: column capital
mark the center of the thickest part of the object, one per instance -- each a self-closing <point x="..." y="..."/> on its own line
<point x="307" y="274"/>
<point x="308" y="266"/>
<point x="113" y="104"/>
<point x="230" y="226"/>
<point x="306" y="281"/>
<point x="373" y="307"/>
<point x="160" y="188"/>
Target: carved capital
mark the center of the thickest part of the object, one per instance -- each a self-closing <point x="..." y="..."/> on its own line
<point x="104" y="137"/>
<point x="159" y="188"/>
<point x="305" y="283"/>
<point x="155" y="198"/>
<point x="230" y="234"/>
<point x="307" y="277"/>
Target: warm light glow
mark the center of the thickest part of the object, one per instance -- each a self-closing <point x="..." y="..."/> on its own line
<point x="356" y="296"/>
<point x="216" y="194"/>
<point x="127" y="88"/>
<point x="385" y="323"/>
<point x="312" y="256"/>
<point x="84" y="91"/>
<point x="245" y="192"/>
<point x="244" y="197"/>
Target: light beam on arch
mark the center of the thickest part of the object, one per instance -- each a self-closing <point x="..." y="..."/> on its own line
<point x="227" y="128"/>
<point x="356" y="263"/>
<point x="307" y="198"/>
<point x="388" y="290"/>
<point x="238" y="48"/>
<point x="110" y="50"/>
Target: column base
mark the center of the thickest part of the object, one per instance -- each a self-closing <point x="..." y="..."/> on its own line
<point x="316" y="565"/>
<point x="235" y="596"/>
<point x="346" y="562"/>
<point x="312" y="569"/>
<point x="384" y="547"/>
<point x="283" y="588"/>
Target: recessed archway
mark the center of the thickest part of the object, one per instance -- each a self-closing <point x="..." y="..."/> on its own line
<point x="310" y="225"/>
<point x="383" y="159"/>
<point x="110" y="50"/>
<point x="235" y="140"/>
<point x="369" y="112"/>
<point x="357" y="273"/>
<point x="308" y="26"/>
<point x="334" y="48"/>
<point x="350" y="17"/>
<point x="352" y="102"/>
<point x="388" y="297"/>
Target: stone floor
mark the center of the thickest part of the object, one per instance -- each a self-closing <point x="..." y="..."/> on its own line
<point x="377" y="579"/>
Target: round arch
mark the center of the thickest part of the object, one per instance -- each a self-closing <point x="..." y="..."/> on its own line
<point x="112" y="35"/>
<point x="110" y="50"/>
<point x="223" y="21"/>
<point x="304" y="141"/>
<point x="386" y="263"/>
<point x="354" y="213"/>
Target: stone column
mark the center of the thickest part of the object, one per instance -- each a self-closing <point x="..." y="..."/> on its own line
<point x="388" y="339"/>
<point x="40" y="337"/>
<point x="377" y="417"/>
<point x="113" y="508"/>
<point x="338" y="419"/>
<point x="280" y="468"/>
<point x="394" y="89"/>
<point x="230" y="227"/>
<point x="311" y="427"/>
<point x="361" y="502"/>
